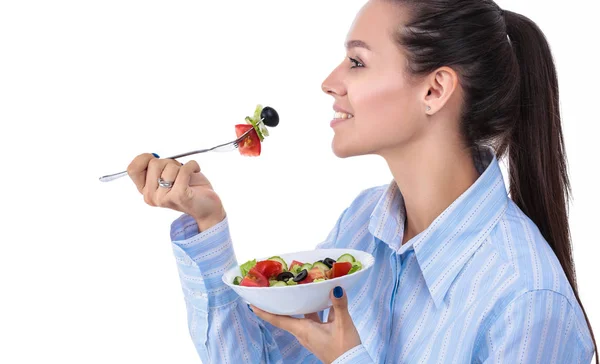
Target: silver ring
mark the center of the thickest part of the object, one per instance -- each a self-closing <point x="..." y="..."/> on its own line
<point x="165" y="184"/>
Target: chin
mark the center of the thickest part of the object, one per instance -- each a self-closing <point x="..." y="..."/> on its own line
<point x="345" y="150"/>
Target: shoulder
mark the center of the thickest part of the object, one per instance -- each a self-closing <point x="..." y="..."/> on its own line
<point x="535" y="282"/>
<point x="543" y="325"/>
<point x="354" y="220"/>
<point x="519" y="241"/>
<point x="363" y="204"/>
<point x="369" y="196"/>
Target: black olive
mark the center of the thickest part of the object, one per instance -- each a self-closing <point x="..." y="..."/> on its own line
<point x="301" y="276"/>
<point x="328" y="262"/>
<point x="269" y="116"/>
<point x="285" y="276"/>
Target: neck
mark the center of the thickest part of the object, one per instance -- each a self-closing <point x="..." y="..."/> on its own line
<point x="430" y="177"/>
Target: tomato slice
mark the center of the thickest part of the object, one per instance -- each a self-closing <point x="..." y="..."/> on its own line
<point x="255" y="279"/>
<point x="340" y="269"/>
<point x="314" y="273"/>
<point x="250" y="146"/>
<point x="295" y="262"/>
<point x="269" y="268"/>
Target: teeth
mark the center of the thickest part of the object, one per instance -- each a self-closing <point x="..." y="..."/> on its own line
<point x="342" y="115"/>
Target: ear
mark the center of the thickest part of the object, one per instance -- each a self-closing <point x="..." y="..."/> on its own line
<point x="440" y="86"/>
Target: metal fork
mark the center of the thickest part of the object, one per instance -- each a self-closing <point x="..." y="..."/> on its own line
<point x="226" y="147"/>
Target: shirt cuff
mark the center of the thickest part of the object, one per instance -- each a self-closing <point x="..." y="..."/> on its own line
<point x="358" y="354"/>
<point x="202" y="259"/>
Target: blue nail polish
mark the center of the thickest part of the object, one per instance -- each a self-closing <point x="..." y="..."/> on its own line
<point x="250" y="308"/>
<point x="338" y="292"/>
<point x="156" y="155"/>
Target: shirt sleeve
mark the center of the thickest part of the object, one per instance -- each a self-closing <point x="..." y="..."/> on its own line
<point x="221" y="325"/>
<point x="537" y="327"/>
<point x="356" y="355"/>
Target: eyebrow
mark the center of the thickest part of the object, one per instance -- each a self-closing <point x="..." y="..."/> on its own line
<point x="357" y="43"/>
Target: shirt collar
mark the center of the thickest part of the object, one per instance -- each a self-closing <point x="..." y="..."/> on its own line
<point x="450" y="241"/>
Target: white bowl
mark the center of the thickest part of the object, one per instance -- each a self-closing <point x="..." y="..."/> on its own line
<point x="302" y="298"/>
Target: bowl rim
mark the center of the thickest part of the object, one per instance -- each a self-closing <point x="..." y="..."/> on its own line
<point x="298" y="286"/>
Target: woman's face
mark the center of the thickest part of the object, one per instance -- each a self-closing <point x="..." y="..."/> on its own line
<point x="373" y="86"/>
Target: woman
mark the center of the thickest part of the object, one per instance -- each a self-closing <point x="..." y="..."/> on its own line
<point x="440" y="90"/>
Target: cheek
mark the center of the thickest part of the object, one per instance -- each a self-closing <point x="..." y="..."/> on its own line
<point x="385" y="116"/>
<point x="384" y="105"/>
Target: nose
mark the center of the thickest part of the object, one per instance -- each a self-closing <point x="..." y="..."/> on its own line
<point x="333" y="84"/>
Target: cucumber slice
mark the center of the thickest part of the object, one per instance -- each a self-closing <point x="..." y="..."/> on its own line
<point x="346" y="258"/>
<point x="291" y="282"/>
<point x="254" y="124"/>
<point x="356" y="266"/>
<point x="306" y="266"/>
<point x="279" y="284"/>
<point x="324" y="268"/>
<point x="280" y="260"/>
<point x="263" y="129"/>
<point x="296" y="269"/>
<point x="237" y="280"/>
<point x="257" y="112"/>
<point x="272" y="282"/>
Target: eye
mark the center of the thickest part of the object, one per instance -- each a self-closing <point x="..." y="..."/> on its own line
<point x="355" y="63"/>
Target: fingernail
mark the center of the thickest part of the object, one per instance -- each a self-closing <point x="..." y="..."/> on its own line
<point x="156" y="155"/>
<point x="338" y="292"/>
<point x="250" y="308"/>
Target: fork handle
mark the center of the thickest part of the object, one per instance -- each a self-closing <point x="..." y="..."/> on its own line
<point x="112" y="177"/>
<point x="195" y="180"/>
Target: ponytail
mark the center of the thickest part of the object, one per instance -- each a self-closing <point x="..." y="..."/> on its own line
<point x="539" y="183"/>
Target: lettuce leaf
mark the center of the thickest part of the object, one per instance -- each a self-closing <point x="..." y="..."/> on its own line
<point x="245" y="268"/>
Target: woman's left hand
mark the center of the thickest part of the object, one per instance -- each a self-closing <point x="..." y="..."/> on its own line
<point x="327" y="340"/>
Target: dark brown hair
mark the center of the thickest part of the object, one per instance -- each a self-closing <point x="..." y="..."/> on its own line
<point x="511" y="101"/>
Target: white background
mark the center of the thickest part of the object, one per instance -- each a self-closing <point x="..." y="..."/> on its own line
<point x="86" y="270"/>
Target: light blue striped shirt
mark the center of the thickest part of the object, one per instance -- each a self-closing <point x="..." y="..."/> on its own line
<point x="479" y="285"/>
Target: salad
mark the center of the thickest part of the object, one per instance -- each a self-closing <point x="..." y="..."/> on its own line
<point x="262" y="118"/>
<point x="274" y="272"/>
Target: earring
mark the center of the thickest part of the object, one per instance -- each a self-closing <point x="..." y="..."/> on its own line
<point x="428" y="108"/>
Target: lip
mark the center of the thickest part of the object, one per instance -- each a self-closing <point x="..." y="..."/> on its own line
<point x="335" y="122"/>
<point x="337" y="108"/>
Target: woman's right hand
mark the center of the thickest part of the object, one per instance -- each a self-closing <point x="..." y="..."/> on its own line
<point x="191" y="193"/>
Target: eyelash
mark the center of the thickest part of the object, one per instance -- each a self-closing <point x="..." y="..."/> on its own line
<point x="356" y="63"/>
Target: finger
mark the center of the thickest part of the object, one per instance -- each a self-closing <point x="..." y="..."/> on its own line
<point x="169" y="174"/>
<point x="155" y="170"/>
<point x="314" y="317"/>
<point x="331" y="315"/>
<point x="185" y="174"/>
<point x="137" y="170"/>
<point x="181" y="187"/>
<point x="170" y="171"/>
<point x="292" y="325"/>
<point x="340" y="306"/>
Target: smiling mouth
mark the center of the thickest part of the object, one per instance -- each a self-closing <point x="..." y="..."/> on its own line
<point x="342" y="115"/>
